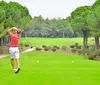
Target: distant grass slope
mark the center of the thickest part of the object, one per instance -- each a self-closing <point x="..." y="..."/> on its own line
<point x="55" y="41"/>
<point x="52" y="69"/>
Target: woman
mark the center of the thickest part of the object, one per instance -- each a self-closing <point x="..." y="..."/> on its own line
<point x="15" y="35"/>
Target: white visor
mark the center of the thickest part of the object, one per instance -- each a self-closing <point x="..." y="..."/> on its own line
<point x="15" y="28"/>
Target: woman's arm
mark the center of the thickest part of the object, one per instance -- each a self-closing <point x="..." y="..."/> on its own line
<point x="9" y="31"/>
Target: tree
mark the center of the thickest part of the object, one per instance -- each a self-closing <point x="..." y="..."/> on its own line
<point x="93" y="21"/>
<point x="11" y="14"/>
<point x="78" y="21"/>
<point x="64" y="26"/>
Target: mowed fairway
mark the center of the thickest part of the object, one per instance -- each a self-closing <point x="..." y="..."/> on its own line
<point x="50" y="68"/>
<point x="55" y="41"/>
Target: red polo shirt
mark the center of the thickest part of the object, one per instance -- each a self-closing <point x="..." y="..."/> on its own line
<point x="14" y="40"/>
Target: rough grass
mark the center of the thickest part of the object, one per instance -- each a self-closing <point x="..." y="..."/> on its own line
<point x="52" y="69"/>
<point x="55" y="41"/>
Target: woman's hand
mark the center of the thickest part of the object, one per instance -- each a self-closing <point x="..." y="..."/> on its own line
<point x="9" y="31"/>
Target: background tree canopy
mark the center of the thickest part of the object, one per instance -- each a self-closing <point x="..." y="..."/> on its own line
<point x="83" y="22"/>
<point x="51" y="27"/>
<point x="12" y="14"/>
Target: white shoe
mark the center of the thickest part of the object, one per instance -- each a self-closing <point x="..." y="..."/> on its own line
<point x="15" y="70"/>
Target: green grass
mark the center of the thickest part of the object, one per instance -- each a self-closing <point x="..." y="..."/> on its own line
<point x="55" y="41"/>
<point x="52" y="69"/>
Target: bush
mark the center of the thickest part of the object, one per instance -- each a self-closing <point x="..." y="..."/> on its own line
<point x="84" y="51"/>
<point x="64" y="48"/>
<point x="53" y="49"/>
<point x="26" y="45"/>
<point x="56" y="47"/>
<point x="38" y="49"/>
<point x="76" y="44"/>
<point x="91" y="56"/>
<point x="44" y="46"/>
<point x="78" y="47"/>
<point x="72" y="46"/>
<point x="92" y="49"/>
<point x="79" y="51"/>
<point x="97" y="53"/>
<point x="74" y="50"/>
<point x="87" y="51"/>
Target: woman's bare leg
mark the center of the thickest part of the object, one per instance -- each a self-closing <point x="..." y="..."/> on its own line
<point x="18" y="62"/>
<point x="12" y="63"/>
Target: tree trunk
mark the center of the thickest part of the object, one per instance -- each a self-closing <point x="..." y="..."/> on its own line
<point x="97" y="42"/>
<point x="1" y="45"/>
<point x="63" y="34"/>
<point x="85" y="37"/>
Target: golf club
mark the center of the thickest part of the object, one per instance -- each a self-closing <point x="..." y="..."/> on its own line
<point x="28" y="42"/>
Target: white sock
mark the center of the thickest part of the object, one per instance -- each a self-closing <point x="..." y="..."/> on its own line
<point x="15" y="70"/>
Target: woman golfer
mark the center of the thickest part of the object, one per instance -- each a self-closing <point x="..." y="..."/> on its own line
<point x="15" y="35"/>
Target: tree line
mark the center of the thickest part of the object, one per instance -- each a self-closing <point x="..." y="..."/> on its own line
<point x="83" y="22"/>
